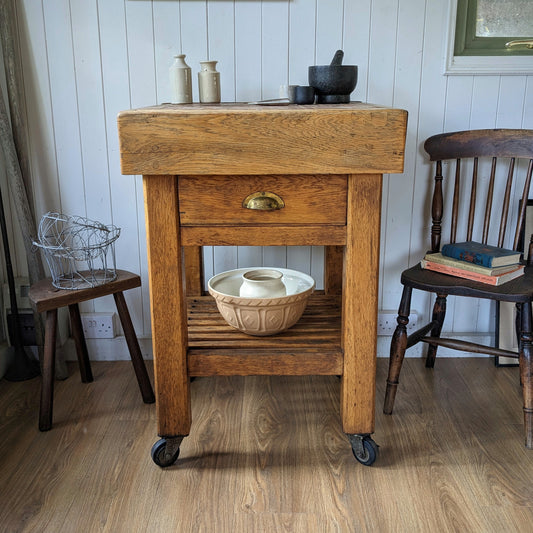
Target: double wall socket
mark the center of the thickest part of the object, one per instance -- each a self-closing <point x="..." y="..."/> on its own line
<point x="98" y="325"/>
<point x="387" y="322"/>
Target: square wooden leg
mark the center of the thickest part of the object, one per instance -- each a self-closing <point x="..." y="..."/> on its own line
<point x="135" y="351"/>
<point x="359" y="301"/>
<point x="81" y="346"/>
<point x="167" y="298"/>
<point x="47" y="384"/>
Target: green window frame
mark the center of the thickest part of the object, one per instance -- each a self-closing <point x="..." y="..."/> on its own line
<point x="467" y="43"/>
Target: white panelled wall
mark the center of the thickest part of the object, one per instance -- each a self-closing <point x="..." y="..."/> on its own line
<point x="86" y="60"/>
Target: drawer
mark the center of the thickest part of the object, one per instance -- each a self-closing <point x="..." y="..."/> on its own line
<point x="300" y="199"/>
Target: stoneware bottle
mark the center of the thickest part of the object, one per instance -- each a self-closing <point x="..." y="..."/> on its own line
<point x="209" y="82"/>
<point x="181" y="81"/>
<point x="262" y="283"/>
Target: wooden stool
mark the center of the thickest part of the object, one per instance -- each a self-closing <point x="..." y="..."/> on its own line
<point x="47" y="298"/>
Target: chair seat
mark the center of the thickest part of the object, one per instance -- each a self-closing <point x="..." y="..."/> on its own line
<point x="44" y="296"/>
<point x="516" y="290"/>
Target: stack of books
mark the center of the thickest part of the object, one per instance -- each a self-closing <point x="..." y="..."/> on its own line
<point x="475" y="261"/>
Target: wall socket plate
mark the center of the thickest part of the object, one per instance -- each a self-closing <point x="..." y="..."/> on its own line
<point x="387" y="322"/>
<point x="98" y="325"/>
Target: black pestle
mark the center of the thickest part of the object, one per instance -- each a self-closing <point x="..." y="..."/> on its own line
<point x="337" y="58"/>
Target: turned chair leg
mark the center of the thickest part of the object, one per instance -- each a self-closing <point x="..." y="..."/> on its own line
<point x="526" y="371"/>
<point x="47" y="384"/>
<point x="439" y="312"/>
<point x="397" y="350"/>
<point x="81" y="345"/>
<point x="135" y="351"/>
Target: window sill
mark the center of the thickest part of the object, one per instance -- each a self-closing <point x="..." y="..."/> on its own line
<point x="488" y="65"/>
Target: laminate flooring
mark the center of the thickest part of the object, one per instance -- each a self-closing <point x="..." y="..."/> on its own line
<point x="267" y="454"/>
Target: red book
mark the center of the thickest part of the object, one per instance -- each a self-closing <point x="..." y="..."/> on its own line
<point x="496" y="280"/>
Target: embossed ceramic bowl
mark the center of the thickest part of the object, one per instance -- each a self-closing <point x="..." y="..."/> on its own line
<point x="261" y="316"/>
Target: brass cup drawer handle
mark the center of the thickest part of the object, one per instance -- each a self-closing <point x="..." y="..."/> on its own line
<point x="263" y="201"/>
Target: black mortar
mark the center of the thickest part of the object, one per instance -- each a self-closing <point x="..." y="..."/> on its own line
<point x="335" y="82"/>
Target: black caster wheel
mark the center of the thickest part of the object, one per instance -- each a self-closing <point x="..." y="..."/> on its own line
<point x="165" y="452"/>
<point x="364" y="449"/>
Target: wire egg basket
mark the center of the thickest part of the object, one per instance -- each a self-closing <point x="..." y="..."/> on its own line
<point x="79" y="252"/>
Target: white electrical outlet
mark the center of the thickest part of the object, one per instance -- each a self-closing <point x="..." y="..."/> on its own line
<point x="387" y="322"/>
<point x="98" y="325"/>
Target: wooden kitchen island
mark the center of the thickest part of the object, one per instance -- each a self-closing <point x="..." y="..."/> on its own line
<point x="199" y="162"/>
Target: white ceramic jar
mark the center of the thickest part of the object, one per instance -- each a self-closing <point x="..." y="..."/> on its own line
<point x="262" y="283"/>
<point x="209" y="82"/>
<point x="181" y="81"/>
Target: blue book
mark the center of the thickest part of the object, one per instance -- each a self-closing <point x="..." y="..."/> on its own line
<point x="481" y="254"/>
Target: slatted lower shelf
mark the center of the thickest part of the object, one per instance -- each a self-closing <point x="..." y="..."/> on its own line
<point x="311" y="347"/>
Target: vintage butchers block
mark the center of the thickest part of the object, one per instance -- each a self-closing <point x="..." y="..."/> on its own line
<point x="237" y="174"/>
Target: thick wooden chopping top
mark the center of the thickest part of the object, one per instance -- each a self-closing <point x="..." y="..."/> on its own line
<point x="242" y="139"/>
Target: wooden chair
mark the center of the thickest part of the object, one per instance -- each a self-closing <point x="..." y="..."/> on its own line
<point x="469" y="151"/>
<point x="47" y="299"/>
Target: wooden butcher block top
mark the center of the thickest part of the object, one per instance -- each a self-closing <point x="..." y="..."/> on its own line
<point x="226" y="139"/>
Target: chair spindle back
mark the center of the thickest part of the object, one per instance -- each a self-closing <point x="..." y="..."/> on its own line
<point x="500" y="147"/>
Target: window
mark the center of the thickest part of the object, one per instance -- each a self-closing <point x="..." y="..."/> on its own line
<point x="491" y="37"/>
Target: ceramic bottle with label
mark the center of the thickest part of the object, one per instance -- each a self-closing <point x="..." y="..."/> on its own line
<point x="181" y="81"/>
<point x="209" y="82"/>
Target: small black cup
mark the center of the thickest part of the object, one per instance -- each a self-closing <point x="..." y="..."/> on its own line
<point x="304" y="94"/>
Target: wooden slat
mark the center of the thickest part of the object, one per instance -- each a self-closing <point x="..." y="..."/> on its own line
<point x="263" y="236"/>
<point x="455" y="202"/>
<point x="473" y="198"/>
<point x="327" y="139"/>
<point x="229" y="338"/>
<point x="264" y="363"/>
<point x="490" y="196"/>
<point x="506" y="201"/>
<point x="523" y="205"/>
<point x="311" y="346"/>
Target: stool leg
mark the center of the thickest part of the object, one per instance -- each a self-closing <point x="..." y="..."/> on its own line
<point x="47" y="384"/>
<point x="81" y="345"/>
<point x="135" y="351"/>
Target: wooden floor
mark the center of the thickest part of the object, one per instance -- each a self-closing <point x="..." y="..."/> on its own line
<point x="268" y="455"/>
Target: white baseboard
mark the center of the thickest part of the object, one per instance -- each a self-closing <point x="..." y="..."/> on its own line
<point x="117" y="350"/>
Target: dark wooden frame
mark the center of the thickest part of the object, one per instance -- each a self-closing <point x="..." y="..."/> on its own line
<point x="468" y="44"/>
